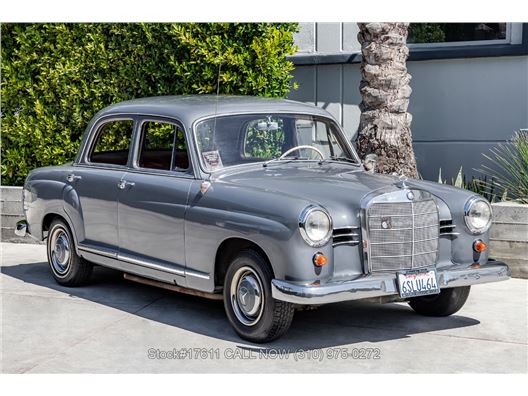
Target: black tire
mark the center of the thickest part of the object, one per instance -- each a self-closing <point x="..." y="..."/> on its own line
<point x="68" y="268"/>
<point x="274" y="317"/>
<point x="446" y="303"/>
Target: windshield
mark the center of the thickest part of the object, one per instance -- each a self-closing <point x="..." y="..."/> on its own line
<point x="238" y="139"/>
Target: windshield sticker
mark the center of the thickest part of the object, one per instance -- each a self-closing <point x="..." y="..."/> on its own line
<point x="212" y="160"/>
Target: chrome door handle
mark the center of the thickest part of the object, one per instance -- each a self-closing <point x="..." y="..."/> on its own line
<point x="124" y="184"/>
<point x="71" y="178"/>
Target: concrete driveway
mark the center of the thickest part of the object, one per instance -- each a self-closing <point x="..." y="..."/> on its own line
<point x="114" y="326"/>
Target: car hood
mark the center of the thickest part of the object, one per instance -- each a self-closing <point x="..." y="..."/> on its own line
<point x="337" y="187"/>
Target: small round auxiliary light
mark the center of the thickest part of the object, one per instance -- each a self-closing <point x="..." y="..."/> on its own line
<point x="319" y="259"/>
<point x="479" y="246"/>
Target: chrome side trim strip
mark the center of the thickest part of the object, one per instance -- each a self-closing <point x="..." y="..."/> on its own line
<point x="148" y="264"/>
<point x="197" y="274"/>
<point x="97" y="251"/>
<point x="144" y="263"/>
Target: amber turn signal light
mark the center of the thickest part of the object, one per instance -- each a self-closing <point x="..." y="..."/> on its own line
<point x="319" y="259"/>
<point x="479" y="246"/>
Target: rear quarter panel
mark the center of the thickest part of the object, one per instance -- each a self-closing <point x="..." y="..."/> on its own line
<point x="45" y="193"/>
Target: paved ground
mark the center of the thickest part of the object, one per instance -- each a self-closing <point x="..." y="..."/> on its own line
<point x="111" y="325"/>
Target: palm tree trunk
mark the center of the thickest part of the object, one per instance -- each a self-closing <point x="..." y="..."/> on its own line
<point x="385" y="124"/>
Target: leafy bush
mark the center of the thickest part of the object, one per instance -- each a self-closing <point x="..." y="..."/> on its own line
<point x="508" y="169"/>
<point x="55" y="77"/>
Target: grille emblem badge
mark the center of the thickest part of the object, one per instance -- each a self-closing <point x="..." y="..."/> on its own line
<point x="386" y="223"/>
<point x="410" y="195"/>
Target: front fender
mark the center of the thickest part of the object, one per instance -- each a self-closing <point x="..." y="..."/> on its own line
<point x="226" y="212"/>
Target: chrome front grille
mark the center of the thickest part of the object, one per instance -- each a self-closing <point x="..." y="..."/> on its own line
<point x="402" y="235"/>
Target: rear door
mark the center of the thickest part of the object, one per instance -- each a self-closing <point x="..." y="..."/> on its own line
<point x="95" y="181"/>
<point x="154" y="197"/>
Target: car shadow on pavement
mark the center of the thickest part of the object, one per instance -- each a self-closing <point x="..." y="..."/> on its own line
<point x="327" y="326"/>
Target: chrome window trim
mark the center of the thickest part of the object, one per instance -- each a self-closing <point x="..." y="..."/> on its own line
<point x="80" y="161"/>
<point x="342" y="139"/>
<point x="137" y="141"/>
<point x="94" y="132"/>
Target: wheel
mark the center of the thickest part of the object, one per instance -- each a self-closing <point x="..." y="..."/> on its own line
<point x="254" y="314"/>
<point x="68" y="268"/>
<point x="446" y="303"/>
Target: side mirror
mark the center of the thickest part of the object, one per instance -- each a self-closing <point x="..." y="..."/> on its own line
<point x="370" y="162"/>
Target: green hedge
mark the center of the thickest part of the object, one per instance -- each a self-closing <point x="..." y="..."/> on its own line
<point x="55" y="77"/>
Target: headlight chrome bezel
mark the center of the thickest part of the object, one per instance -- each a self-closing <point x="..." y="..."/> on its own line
<point x="467" y="218"/>
<point x="304" y="216"/>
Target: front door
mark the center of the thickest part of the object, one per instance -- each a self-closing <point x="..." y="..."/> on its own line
<point x="153" y="199"/>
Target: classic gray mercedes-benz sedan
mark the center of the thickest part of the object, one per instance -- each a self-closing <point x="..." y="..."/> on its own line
<point x="260" y="202"/>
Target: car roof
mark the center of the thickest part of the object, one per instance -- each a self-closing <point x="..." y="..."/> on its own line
<point x="189" y="108"/>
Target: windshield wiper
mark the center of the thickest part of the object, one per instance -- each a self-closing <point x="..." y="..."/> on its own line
<point x="284" y="160"/>
<point x="338" y="159"/>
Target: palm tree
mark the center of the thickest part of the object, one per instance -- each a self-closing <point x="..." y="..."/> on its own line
<point x="384" y="127"/>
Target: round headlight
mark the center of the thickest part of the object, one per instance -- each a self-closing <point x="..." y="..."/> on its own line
<point x="477" y="213"/>
<point x="315" y="225"/>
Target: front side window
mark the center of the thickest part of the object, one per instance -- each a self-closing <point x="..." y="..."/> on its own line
<point x="112" y="143"/>
<point x="238" y="139"/>
<point x="163" y="147"/>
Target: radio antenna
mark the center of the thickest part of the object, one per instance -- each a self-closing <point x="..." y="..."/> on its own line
<point x="216" y="99"/>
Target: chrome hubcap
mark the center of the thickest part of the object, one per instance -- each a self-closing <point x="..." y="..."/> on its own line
<point x="60" y="251"/>
<point x="246" y="296"/>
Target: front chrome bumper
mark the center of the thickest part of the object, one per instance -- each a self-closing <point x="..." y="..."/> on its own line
<point x="383" y="284"/>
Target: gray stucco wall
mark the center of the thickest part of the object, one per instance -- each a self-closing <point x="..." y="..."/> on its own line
<point x="461" y="107"/>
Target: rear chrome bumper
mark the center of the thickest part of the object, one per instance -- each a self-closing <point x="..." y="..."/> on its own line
<point x="383" y="284"/>
<point x="21" y="228"/>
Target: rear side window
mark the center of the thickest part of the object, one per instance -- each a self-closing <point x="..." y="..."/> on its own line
<point x="112" y="143"/>
<point x="163" y="147"/>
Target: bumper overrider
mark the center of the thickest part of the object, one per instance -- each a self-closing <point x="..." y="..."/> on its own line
<point x="382" y="284"/>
